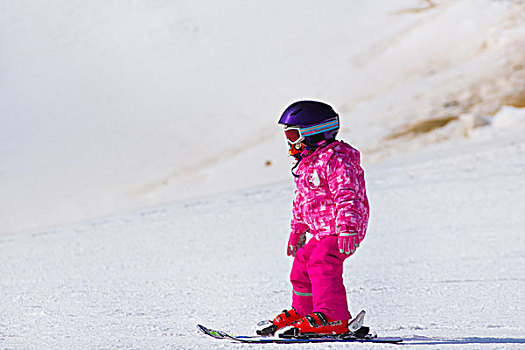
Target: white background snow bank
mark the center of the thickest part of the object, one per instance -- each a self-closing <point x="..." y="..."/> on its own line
<point x="111" y="105"/>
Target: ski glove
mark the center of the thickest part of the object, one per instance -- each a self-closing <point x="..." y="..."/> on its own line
<point x="347" y="243"/>
<point x="296" y="241"/>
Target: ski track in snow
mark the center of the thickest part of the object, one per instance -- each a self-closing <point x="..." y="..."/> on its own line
<point x="442" y="264"/>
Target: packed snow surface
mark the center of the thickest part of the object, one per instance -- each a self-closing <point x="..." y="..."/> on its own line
<point x="442" y="266"/>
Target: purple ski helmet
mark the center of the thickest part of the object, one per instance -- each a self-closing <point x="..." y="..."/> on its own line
<point x="314" y="121"/>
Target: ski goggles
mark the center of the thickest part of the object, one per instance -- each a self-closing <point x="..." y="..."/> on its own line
<point x="295" y="134"/>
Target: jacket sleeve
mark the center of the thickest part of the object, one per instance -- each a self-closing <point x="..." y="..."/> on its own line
<point x="297" y="224"/>
<point x="346" y="183"/>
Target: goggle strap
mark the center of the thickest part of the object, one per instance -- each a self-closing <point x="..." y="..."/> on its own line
<point x="320" y="128"/>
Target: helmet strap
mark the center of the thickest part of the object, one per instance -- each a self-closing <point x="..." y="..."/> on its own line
<point x="295" y="166"/>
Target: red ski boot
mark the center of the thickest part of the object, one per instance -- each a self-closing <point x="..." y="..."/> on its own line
<point x="314" y="325"/>
<point x="286" y="318"/>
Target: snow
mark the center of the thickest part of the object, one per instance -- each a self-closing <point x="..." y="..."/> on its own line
<point x="117" y="230"/>
<point x="109" y="106"/>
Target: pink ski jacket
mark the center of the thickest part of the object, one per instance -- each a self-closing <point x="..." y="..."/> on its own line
<point x="331" y="196"/>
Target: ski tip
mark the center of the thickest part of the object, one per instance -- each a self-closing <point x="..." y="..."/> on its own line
<point x="212" y="333"/>
<point x="201" y="327"/>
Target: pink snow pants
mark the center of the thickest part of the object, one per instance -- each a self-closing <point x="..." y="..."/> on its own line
<point x="317" y="279"/>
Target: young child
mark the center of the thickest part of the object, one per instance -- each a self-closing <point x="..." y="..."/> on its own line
<point x="331" y="204"/>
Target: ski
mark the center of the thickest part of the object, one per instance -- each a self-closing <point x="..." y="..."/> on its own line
<point x="272" y="340"/>
<point x="358" y="333"/>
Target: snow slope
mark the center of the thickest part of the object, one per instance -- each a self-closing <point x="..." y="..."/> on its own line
<point x="442" y="264"/>
<point x="112" y="105"/>
<point x="99" y="103"/>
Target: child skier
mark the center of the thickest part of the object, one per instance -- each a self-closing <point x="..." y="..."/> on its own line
<point x="331" y="204"/>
